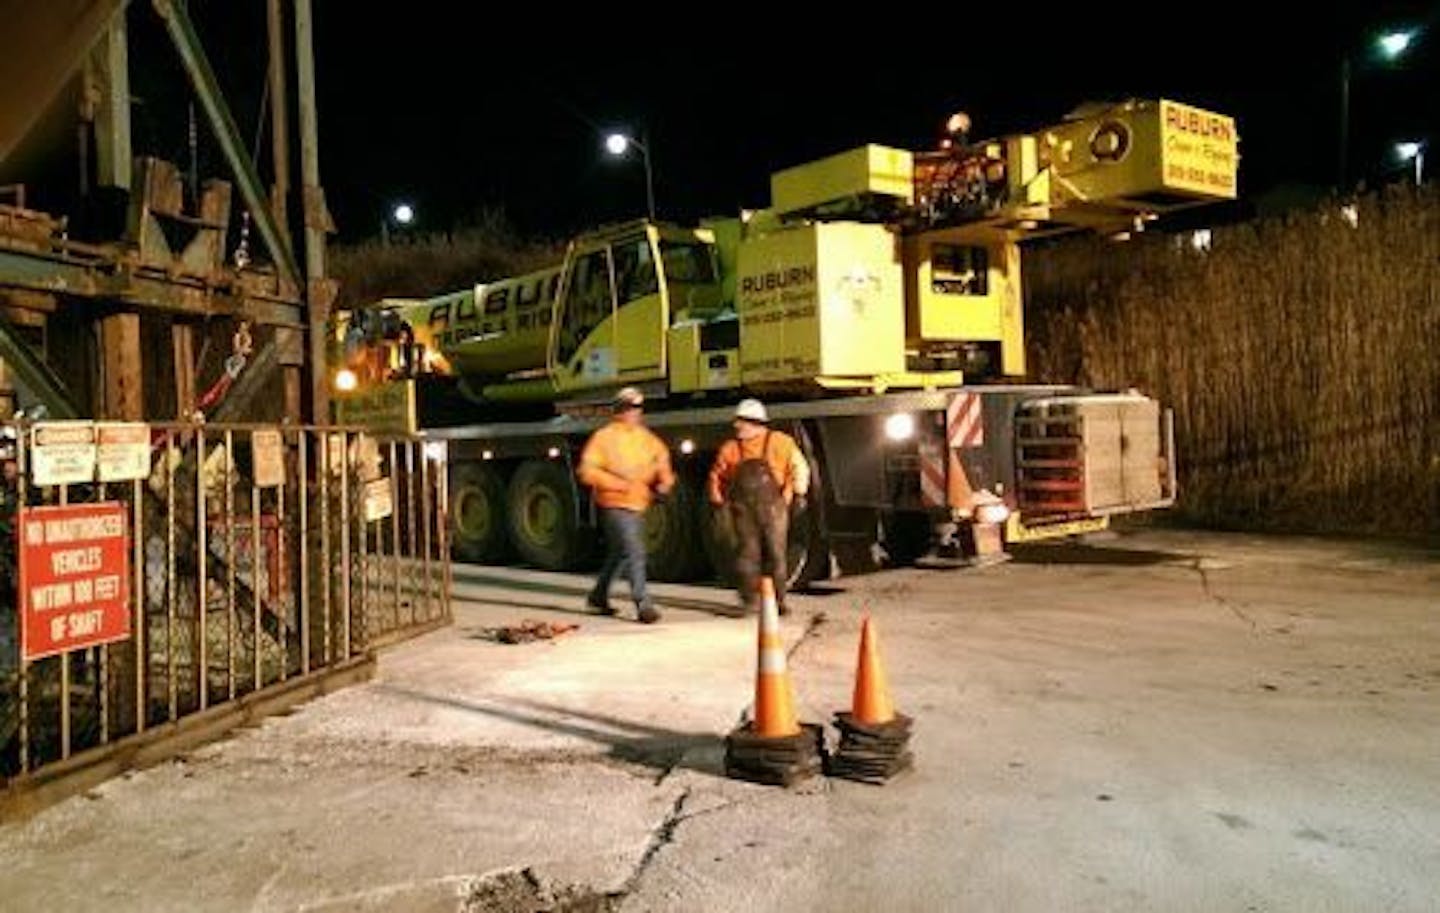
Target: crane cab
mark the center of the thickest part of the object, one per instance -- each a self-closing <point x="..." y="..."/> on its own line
<point x="621" y="292"/>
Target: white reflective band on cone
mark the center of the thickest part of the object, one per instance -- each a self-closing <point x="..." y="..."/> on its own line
<point x="772" y="661"/>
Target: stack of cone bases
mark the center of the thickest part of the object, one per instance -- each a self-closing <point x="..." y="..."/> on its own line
<point x="874" y="739"/>
<point x="774" y="747"/>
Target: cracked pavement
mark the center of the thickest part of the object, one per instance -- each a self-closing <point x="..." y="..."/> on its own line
<point x="1159" y="720"/>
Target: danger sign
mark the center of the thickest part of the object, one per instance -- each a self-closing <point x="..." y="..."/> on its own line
<point x="62" y="453"/>
<point x="74" y="576"/>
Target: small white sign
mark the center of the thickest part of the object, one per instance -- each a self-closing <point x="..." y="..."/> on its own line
<point x="267" y="452"/>
<point x="335" y="448"/>
<point x="62" y="453"/>
<point x="378" y="503"/>
<point x="123" y="451"/>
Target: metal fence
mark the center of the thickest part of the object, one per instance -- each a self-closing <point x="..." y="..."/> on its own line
<point x="259" y="557"/>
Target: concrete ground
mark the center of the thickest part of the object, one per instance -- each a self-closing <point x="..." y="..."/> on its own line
<point x="1158" y="721"/>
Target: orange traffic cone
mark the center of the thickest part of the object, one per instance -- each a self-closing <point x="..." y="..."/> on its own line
<point x="872" y="705"/>
<point x="874" y="739"/>
<point x="774" y="697"/>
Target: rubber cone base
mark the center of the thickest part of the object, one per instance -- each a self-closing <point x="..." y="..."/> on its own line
<point x="871" y="754"/>
<point x="781" y="761"/>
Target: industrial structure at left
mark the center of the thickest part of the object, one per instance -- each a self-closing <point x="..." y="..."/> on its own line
<point x="187" y="541"/>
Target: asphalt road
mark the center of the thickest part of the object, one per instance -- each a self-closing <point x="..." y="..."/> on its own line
<point x="1160" y="721"/>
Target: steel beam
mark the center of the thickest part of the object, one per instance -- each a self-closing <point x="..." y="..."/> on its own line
<point x="222" y="124"/>
<point x="279" y="113"/>
<point x="111" y="62"/>
<point x="318" y="291"/>
<point x="35" y="374"/>
<point x="41" y="273"/>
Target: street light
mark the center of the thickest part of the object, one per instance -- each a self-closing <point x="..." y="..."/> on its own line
<point x="1393" y="44"/>
<point x="1390" y="46"/>
<point x="1412" y="151"/>
<point x="402" y="214"/>
<point x="618" y="144"/>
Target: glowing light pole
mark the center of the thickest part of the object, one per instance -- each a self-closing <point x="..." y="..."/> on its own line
<point x="1389" y="47"/>
<point x="1412" y="151"/>
<point x="618" y="144"/>
<point x="402" y="214"/>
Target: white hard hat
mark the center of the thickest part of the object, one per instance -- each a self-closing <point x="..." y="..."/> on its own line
<point x="752" y="410"/>
<point x="628" y="397"/>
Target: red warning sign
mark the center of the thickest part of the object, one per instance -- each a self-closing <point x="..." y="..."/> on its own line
<point x="74" y="577"/>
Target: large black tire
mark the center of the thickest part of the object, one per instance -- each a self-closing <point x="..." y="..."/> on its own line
<point x="542" y="516"/>
<point x="477" y="513"/>
<point x="673" y="548"/>
<point x="907" y="537"/>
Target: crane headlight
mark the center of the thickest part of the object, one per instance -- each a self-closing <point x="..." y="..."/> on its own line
<point x="900" y="426"/>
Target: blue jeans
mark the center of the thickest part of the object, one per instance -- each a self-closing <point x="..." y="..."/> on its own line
<point x="624" y="545"/>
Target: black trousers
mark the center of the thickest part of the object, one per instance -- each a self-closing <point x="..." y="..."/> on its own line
<point x="761" y="531"/>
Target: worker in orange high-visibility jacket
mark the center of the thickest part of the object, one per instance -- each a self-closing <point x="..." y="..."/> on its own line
<point x="625" y="464"/>
<point x="758" y="478"/>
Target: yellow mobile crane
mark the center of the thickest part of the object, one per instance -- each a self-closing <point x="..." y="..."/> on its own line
<point x="876" y="306"/>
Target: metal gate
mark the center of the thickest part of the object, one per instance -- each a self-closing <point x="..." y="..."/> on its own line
<point x="263" y="560"/>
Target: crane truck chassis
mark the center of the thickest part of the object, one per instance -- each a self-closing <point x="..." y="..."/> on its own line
<point x="875" y="306"/>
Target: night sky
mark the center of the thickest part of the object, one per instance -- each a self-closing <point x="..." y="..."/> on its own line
<point x="459" y="118"/>
<point x="431" y="103"/>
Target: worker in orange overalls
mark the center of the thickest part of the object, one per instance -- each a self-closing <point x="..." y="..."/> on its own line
<point x="624" y="464"/>
<point x="759" y="475"/>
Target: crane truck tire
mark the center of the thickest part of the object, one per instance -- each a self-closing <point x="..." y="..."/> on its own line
<point x="543" y="516"/>
<point x="672" y="534"/>
<point x="477" y="510"/>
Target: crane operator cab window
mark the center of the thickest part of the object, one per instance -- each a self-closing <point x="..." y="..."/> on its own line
<point x="634" y="270"/>
<point x="589" y="300"/>
<point x="691" y="279"/>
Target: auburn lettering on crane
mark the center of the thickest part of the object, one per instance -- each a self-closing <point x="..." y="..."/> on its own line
<point x="777" y="279"/>
<point x="1199" y="123"/>
<point x="516" y="304"/>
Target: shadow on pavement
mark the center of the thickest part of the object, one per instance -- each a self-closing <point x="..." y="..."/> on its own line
<point x="627" y="609"/>
<point x="578" y="593"/>
<point x="662" y="750"/>
<point x="1081" y="554"/>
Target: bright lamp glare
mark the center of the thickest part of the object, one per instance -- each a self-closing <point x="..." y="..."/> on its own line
<point x="345" y="380"/>
<point x="1407" y="151"/>
<point x="553" y="453"/>
<point x="404" y="213"/>
<point x="687" y="446"/>
<point x="617" y="143"/>
<point x="1393" y="44"/>
<point x="900" y="426"/>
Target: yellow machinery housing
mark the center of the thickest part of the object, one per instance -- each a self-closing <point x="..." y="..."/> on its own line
<point x="865" y="305"/>
<point x="875" y="267"/>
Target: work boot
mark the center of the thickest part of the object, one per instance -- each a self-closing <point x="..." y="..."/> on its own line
<point x="647" y="613"/>
<point x="601" y="605"/>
